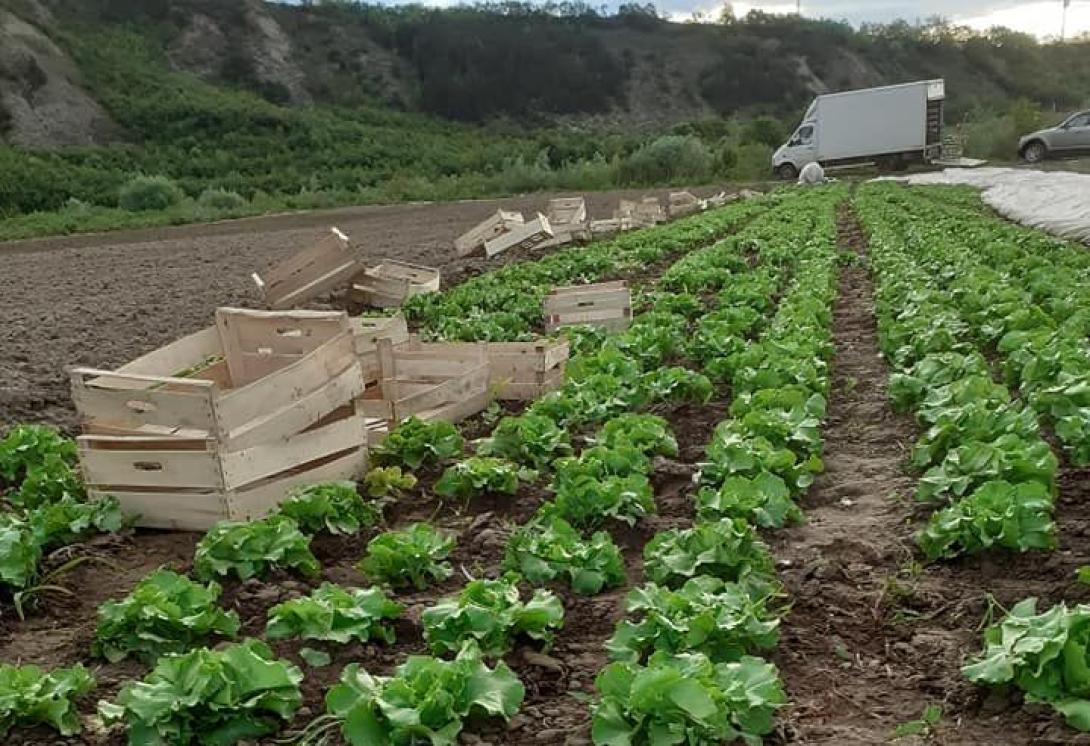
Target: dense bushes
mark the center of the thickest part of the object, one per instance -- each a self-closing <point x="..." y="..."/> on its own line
<point x="666" y="160"/>
<point x="145" y="193"/>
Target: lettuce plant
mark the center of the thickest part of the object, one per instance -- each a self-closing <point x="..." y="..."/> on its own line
<point x="238" y="693"/>
<point x="678" y="386"/>
<point x="30" y="696"/>
<point x="530" y="439"/>
<point x="335" y="507"/>
<point x="27" y="447"/>
<point x="427" y="700"/>
<point x="252" y="549"/>
<point x="165" y="613"/>
<point x="492" y="613"/>
<point x="722" y="620"/>
<point x="584" y="500"/>
<point x="647" y="432"/>
<point x="686" y="699"/>
<point x="478" y="475"/>
<point x="763" y="501"/>
<point x="1043" y="654"/>
<point x="415" y="443"/>
<point x="387" y="481"/>
<point x="549" y="549"/>
<point x="335" y="614"/>
<point x="728" y="549"/>
<point x="413" y="556"/>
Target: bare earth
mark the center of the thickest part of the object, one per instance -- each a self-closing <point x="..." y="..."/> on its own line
<point x="102" y="300"/>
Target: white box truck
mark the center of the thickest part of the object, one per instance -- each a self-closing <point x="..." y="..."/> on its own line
<point x="890" y="126"/>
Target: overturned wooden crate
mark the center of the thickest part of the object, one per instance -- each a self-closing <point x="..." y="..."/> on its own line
<point x="607" y="305"/>
<point x="223" y="423"/>
<point x="432" y="381"/>
<point x="566" y="211"/>
<point x="683" y="203"/>
<point x="390" y="283"/>
<point x="524" y="371"/>
<point x="526" y="236"/>
<point x="491" y="227"/>
<point x="718" y="200"/>
<point x="367" y="331"/>
<point x="649" y="211"/>
<point x="322" y="267"/>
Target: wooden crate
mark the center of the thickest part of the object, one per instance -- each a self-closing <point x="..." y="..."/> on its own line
<point x="223" y="423"/>
<point x="368" y="330"/>
<point x="566" y="234"/>
<point x="432" y="381"/>
<point x="683" y="203"/>
<point x="566" y="211"/>
<point x="607" y="305"/>
<point x="525" y="236"/>
<point x="524" y="371"/>
<point x="390" y="283"/>
<point x="318" y="269"/>
<point x="608" y="226"/>
<point x="649" y="211"/>
<point x="493" y="226"/>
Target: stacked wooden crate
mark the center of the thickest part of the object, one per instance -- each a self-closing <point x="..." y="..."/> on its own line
<point x="390" y="283"/>
<point x="528" y="235"/>
<point x="524" y="371"/>
<point x="568" y="218"/>
<point x="607" y="305"/>
<point x="222" y="424"/>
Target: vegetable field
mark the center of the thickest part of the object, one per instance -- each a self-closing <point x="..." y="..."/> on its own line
<point x="828" y="487"/>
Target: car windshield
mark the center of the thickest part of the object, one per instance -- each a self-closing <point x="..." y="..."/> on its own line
<point x="1082" y="119"/>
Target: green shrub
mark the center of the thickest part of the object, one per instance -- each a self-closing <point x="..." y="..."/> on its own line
<point x="221" y="199"/>
<point x="146" y="193"/>
<point x="667" y="159"/>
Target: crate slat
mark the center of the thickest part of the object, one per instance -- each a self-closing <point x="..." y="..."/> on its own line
<point x="322" y="267"/>
<point x="607" y="305"/>
<point x="495" y="225"/>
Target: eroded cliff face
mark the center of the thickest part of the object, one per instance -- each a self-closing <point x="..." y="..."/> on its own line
<point x="43" y="103"/>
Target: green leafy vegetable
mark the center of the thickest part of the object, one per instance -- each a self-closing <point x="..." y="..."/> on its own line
<point x="410" y="556"/>
<point x="492" y="613"/>
<point x="333" y="506"/>
<point x="415" y="442"/>
<point x="30" y="696"/>
<point x="209" y="697"/>
<point x="253" y="549"/>
<point x="426" y="701"/>
<point x="728" y="549"/>
<point x="584" y="500"/>
<point x="763" y="500"/>
<point x="549" y="549"/>
<point x="335" y="614"/>
<point x="165" y="613"/>
<point x="533" y="440"/>
<point x="68" y="521"/>
<point x="387" y="481"/>
<point x="647" y="432"/>
<point x="480" y="474"/>
<point x="28" y="447"/>
<point x="686" y="699"/>
<point x="724" y="621"/>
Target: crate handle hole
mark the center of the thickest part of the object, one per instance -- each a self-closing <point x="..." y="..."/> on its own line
<point x="290" y="332"/>
<point x="148" y="466"/>
<point x="584" y="303"/>
<point x="264" y="351"/>
<point x="140" y="406"/>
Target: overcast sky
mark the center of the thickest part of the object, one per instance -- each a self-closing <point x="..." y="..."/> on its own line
<point x="1039" y="17"/>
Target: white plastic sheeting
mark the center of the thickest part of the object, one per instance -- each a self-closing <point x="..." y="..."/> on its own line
<point x="1054" y="201"/>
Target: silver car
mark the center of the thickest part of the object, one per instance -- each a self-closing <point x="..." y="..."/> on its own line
<point x="1070" y="138"/>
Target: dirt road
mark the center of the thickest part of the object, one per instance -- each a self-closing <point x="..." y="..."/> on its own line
<point x="102" y="300"/>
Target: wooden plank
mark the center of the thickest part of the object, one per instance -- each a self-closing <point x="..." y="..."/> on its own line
<point x="173" y="510"/>
<point x="266" y="459"/>
<point x="240" y="407"/>
<point x="180" y="355"/>
<point x="256" y="344"/>
<point x="327" y="243"/>
<point x="458" y="411"/>
<point x="311" y="272"/>
<point x="494" y="225"/>
<point x="299" y="414"/>
<point x="257" y="501"/>
<point x="132" y="409"/>
<point x="526" y="236"/>
<point x="106" y="468"/>
<point x="584" y="303"/>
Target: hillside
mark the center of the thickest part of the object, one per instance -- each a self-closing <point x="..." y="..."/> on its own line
<point x="247" y="107"/>
<point x="572" y="66"/>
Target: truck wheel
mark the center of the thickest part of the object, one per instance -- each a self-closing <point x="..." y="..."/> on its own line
<point x="1035" y="152"/>
<point x="787" y="172"/>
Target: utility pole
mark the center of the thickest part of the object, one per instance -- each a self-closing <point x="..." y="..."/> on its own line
<point x="1063" y="22"/>
<point x="798" y="7"/>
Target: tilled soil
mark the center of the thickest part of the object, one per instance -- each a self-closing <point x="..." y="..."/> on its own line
<point x="103" y="300"/>
<point x="873" y="637"/>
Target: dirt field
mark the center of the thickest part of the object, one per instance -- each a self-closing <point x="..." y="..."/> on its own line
<point x="103" y="300"/>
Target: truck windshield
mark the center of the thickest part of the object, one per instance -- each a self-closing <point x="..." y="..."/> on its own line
<point x="810" y="111"/>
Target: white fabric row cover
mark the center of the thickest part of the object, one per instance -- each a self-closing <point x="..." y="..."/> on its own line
<point x="1053" y="201"/>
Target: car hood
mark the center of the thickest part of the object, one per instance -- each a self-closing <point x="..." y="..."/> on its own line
<point x="1037" y="134"/>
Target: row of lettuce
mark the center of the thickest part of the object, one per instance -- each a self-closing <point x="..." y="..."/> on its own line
<point x="191" y="692"/>
<point x="986" y="324"/>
